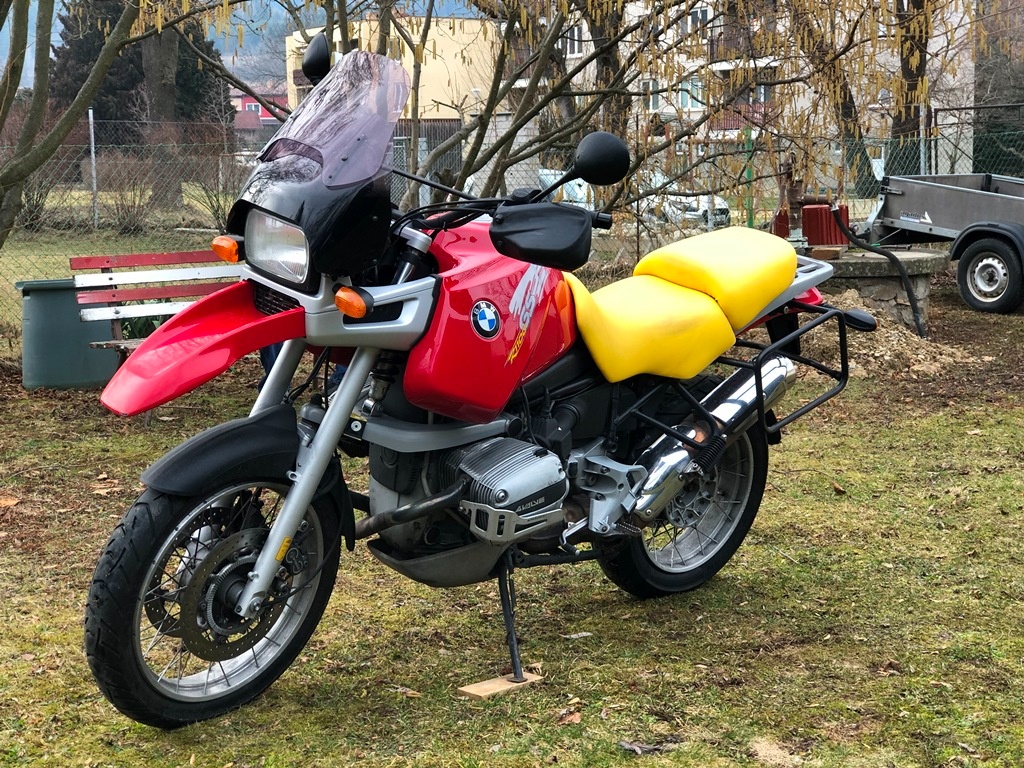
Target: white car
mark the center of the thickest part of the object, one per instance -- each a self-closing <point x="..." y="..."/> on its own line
<point x="696" y="208"/>
<point x="668" y="203"/>
<point x="576" y="192"/>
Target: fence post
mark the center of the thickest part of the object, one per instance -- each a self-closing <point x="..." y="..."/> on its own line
<point x="922" y="132"/>
<point x="92" y="156"/>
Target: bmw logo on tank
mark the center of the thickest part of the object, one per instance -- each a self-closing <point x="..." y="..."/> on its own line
<point x="485" y="319"/>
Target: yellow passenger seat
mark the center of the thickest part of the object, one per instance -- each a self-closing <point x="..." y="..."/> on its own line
<point x="684" y="303"/>
<point x="741" y="269"/>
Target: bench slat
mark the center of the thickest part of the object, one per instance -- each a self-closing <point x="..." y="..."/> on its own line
<point x="142" y="259"/>
<point x="107" y="279"/>
<point x="133" y="310"/>
<point x="106" y="296"/>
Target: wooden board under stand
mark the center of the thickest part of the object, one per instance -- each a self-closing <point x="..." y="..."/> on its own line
<point x="497" y="685"/>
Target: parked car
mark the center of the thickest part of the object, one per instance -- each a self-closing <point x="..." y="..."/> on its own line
<point x="684" y="208"/>
<point x="576" y="192"/>
<point x="696" y="208"/>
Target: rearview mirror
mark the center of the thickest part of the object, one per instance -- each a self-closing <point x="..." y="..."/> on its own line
<point x="316" y="61"/>
<point x="601" y="158"/>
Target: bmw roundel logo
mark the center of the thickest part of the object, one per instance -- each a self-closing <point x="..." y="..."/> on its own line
<point x="485" y="319"/>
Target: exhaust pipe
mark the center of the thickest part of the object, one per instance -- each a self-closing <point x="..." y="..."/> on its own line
<point x="733" y="403"/>
<point x="451" y="496"/>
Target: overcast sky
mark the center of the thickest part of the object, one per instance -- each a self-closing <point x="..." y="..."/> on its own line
<point x="5" y="45"/>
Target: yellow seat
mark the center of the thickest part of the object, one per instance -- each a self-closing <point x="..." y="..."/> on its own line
<point x="741" y="269"/>
<point x="645" y="324"/>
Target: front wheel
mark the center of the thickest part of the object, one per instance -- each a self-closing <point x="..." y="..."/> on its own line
<point x="700" y="529"/>
<point x="161" y="635"/>
<point x="989" y="276"/>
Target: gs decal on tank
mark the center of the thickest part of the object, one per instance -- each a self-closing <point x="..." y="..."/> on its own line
<point x="524" y="302"/>
<point x="485" y="319"/>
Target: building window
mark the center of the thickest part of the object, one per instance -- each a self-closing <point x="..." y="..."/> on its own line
<point x="696" y="23"/>
<point x="690" y="95"/>
<point x="573" y="40"/>
<point x="652" y="99"/>
<point x="252" y="107"/>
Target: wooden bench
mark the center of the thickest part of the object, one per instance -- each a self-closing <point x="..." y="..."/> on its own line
<point x="165" y="283"/>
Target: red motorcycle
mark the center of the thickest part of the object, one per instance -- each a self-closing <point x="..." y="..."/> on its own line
<point x="511" y="418"/>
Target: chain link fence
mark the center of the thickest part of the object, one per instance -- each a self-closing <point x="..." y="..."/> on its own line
<point x="139" y="187"/>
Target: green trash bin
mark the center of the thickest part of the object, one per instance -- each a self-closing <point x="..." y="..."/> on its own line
<point x="55" y="349"/>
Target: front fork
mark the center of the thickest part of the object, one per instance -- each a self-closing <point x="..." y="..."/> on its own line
<point x="311" y="466"/>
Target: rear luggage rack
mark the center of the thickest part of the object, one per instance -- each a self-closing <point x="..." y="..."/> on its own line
<point x="784" y="347"/>
<point x="809" y="273"/>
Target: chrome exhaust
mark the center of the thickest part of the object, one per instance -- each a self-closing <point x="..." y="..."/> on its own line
<point x="733" y="403"/>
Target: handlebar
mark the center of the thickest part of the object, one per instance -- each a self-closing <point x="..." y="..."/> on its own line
<point x="466" y="211"/>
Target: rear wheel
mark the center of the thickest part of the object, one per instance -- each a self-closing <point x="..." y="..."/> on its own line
<point x="990" y="277"/>
<point x="162" y="637"/>
<point x="700" y="529"/>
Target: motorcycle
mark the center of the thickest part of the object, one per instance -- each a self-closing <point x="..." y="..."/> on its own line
<point x="510" y="417"/>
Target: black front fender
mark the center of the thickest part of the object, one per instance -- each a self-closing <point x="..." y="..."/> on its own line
<point x="263" y="446"/>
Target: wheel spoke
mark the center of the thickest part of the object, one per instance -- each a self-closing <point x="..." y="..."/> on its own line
<point x="205" y="554"/>
<point x="700" y="521"/>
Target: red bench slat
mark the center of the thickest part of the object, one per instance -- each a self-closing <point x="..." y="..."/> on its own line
<point x="143" y="259"/>
<point x="106" y="295"/>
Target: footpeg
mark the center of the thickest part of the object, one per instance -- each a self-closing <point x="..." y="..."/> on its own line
<point x="627" y="530"/>
<point x="570" y="531"/>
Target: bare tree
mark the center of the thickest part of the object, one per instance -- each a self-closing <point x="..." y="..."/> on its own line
<point x="37" y="140"/>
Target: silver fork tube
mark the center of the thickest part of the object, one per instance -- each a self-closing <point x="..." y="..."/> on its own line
<point x="305" y="480"/>
<point x="280" y="376"/>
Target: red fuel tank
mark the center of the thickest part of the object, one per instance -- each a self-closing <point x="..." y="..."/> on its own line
<point x="498" y="323"/>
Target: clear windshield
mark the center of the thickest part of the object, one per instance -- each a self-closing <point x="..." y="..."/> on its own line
<point x="346" y="122"/>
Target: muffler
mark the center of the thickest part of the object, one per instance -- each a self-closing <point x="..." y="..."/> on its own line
<point x="733" y="403"/>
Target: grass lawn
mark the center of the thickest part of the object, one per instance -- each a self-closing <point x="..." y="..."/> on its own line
<point x="872" y="618"/>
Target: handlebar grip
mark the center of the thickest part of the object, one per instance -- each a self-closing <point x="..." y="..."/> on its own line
<point x="602" y="221"/>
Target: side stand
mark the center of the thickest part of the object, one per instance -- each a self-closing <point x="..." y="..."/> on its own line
<point x="507" y="590"/>
<point x="518" y="678"/>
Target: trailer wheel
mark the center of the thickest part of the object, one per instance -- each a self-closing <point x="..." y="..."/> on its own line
<point x="989" y="276"/>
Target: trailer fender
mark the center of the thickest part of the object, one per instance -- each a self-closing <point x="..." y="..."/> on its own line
<point x="1010" y="231"/>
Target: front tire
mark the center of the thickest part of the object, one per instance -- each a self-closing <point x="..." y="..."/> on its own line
<point x="161" y="636"/>
<point x="989" y="276"/>
<point x="700" y="530"/>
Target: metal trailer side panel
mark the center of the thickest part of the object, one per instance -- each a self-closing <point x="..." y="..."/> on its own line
<point x="939" y="207"/>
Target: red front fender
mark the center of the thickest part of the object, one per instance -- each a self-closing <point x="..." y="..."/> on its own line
<point x="194" y="346"/>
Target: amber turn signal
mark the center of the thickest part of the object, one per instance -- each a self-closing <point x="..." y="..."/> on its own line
<point x="350" y="303"/>
<point x="226" y="247"/>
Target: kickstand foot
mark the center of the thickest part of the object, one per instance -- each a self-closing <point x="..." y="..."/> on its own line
<point x="507" y="590"/>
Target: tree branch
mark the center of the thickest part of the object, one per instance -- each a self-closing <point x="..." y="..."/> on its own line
<point x="37" y="111"/>
<point x="15" y="60"/>
<point x="278" y="111"/>
<point x="18" y="168"/>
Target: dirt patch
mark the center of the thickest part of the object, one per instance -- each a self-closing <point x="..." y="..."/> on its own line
<point x="891" y="351"/>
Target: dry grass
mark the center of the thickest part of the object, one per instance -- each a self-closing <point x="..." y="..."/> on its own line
<point x="871" y="619"/>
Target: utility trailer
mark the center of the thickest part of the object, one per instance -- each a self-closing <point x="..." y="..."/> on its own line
<point x="981" y="213"/>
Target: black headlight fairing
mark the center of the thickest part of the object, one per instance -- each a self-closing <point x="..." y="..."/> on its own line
<point x="346" y="228"/>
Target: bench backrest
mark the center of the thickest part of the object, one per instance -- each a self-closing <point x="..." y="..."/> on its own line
<point x="174" y="282"/>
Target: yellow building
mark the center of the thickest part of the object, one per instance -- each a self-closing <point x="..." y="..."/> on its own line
<point x="457" y="61"/>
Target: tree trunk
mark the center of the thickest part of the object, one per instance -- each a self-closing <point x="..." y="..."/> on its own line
<point x="826" y="66"/>
<point x="604" y="20"/>
<point x="915" y="20"/>
<point x="160" y="68"/>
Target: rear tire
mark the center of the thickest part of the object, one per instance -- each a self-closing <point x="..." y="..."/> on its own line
<point x="701" y="528"/>
<point x="990" y="277"/>
<point x="161" y="636"/>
